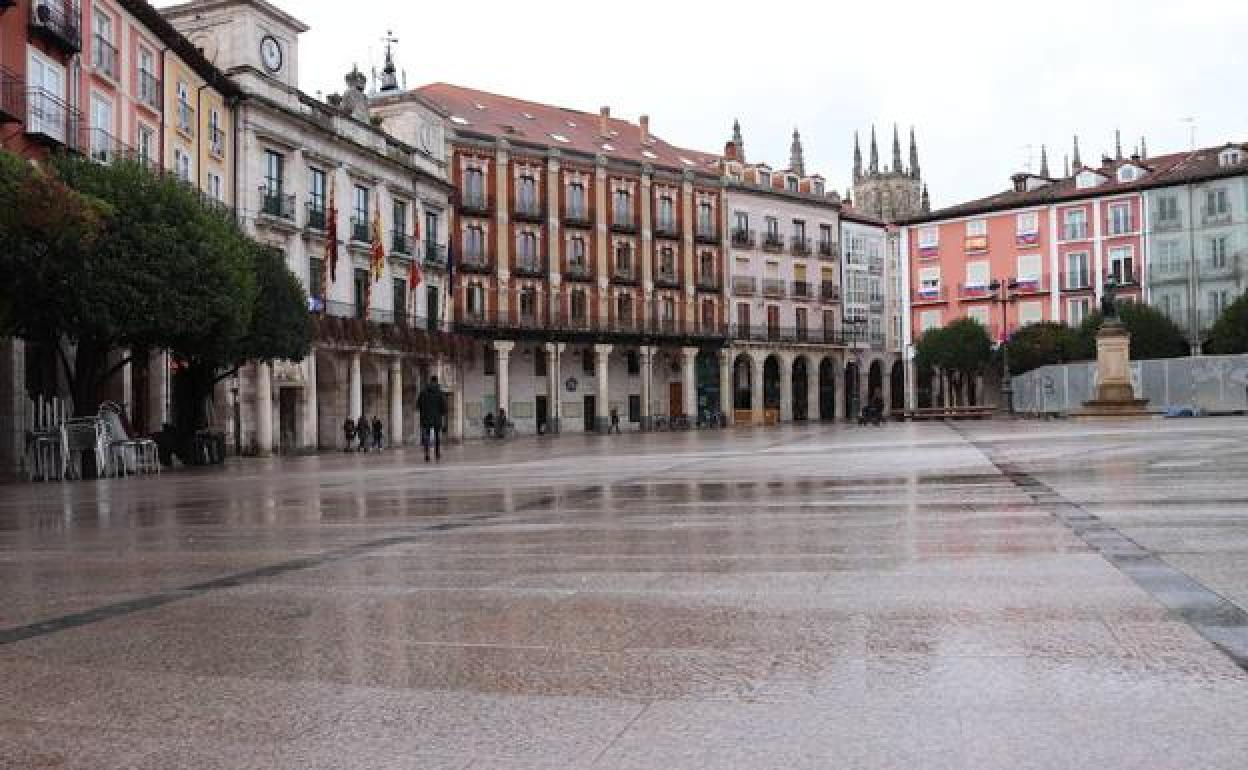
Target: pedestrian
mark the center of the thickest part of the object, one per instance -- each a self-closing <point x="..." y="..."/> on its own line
<point x="377" y="436"/>
<point x="615" y="420"/>
<point x="488" y="424"/>
<point x="503" y="425"/>
<point x="432" y="406"/>
<point x="361" y="432"/>
<point x="348" y="432"/>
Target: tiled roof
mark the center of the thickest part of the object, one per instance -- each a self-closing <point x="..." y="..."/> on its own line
<point x="861" y="217"/>
<point x="520" y="121"/>
<point x="1163" y="171"/>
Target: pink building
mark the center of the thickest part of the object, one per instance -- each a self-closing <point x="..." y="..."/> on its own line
<point x="1042" y="251"/>
<point x="121" y="93"/>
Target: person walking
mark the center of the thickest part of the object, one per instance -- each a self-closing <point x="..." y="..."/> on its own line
<point x="432" y="406"/>
<point x="377" y="434"/>
<point x="503" y="425"/>
<point x="615" y="420"/>
<point x="361" y="432"/>
<point x="348" y="433"/>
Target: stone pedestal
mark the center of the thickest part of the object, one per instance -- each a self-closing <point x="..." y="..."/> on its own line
<point x="1115" y="397"/>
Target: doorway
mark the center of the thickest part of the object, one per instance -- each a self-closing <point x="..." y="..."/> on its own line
<point x="676" y="402"/>
<point x="540" y="407"/>
<point x="432" y="295"/>
<point x="591" y="409"/>
<point x="287" y="398"/>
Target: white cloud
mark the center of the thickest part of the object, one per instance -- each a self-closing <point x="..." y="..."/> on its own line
<point x="980" y="81"/>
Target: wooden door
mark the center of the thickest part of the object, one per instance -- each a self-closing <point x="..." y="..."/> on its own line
<point x="676" y="402"/>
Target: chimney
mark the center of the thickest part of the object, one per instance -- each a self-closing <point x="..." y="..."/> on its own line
<point x="1020" y="181"/>
<point x="604" y="121"/>
<point x="644" y="121"/>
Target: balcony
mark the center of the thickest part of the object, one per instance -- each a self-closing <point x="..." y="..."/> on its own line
<point x="51" y="120"/>
<point x="827" y="250"/>
<point x="530" y="266"/>
<point x="529" y="211"/>
<point x="104" y="57"/>
<point x="706" y="233"/>
<point x="830" y="292"/>
<point x="359" y="230"/>
<point x="400" y="242"/>
<point x="149" y="90"/>
<point x="1122" y="274"/>
<point x="773" y="287"/>
<point x="667" y="279"/>
<point x="929" y="296"/>
<point x="970" y="292"/>
<point x="743" y="238"/>
<point x="797" y="334"/>
<point x="186" y="118"/>
<point x="579" y="272"/>
<point x="580" y="326"/>
<point x="1163" y="224"/>
<point x="744" y="285"/>
<point x="106" y="148"/>
<point x="624" y="274"/>
<point x="875" y="266"/>
<point x="12" y="97"/>
<point x="1215" y="216"/>
<point x="435" y="254"/>
<point x="974" y="244"/>
<point x="623" y="222"/>
<point x="707" y="282"/>
<point x="1226" y="267"/>
<point x="59" y="21"/>
<point x="666" y="228"/>
<point x="316" y="216"/>
<point x="773" y="242"/>
<point x="800" y="246"/>
<point x="477" y="205"/>
<point x="577" y="216"/>
<point x="1028" y="285"/>
<point x="216" y="142"/>
<point x="803" y="290"/>
<point x="1116" y="227"/>
<point x="474" y="263"/>
<point x="1077" y="281"/>
<point x="277" y="205"/>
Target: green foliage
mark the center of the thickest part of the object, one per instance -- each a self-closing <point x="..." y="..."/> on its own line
<point x="963" y="347"/>
<point x="1153" y="334"/>
<point x="1041" y="344"/>
<point x="1230" y="332"/>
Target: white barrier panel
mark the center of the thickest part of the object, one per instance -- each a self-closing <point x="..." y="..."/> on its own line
<point x="1202" y="384"/>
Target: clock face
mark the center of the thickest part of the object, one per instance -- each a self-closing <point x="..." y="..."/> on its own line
<point x="271" y="53"/>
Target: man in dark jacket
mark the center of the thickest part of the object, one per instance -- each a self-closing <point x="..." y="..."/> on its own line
<point x="432" y="406"/>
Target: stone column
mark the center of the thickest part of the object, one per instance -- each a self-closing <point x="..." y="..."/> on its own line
<point x="502" y="225"/>
<point x="757" y="400"/>
<point x="912" y="398"/>
<point x="689" y="381"/>
<point x="838" y="403"/>
<point x="646" y="355"/>
<point x="502" y="383"/>
<point x="786" y="388"/>
<point x="726" y="385"/>
<point x="602" y="355"/>
<point x="553" y="351"/>
<point x="355" y="389"/>
<point x="311" y="420"/>
<point x="395" y="385"/>
<point x="264" y="409"/>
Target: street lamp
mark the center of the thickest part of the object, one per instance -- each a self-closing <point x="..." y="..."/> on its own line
<point x="1003" y="295"/>
<point x="857" y="325"/>
<point x="238" y="418"/>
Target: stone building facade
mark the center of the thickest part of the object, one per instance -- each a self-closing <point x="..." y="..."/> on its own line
<point x="893" y="192"/>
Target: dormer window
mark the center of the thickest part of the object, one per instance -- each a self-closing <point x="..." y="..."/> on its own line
<point x="790" y="183"/>
<point x="1088" y="178"/>
<point x="1230" y="156"/>
<point x="1128" y="173"/>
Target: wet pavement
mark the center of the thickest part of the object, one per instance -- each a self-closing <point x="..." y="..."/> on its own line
<point x="1005" y="594"/>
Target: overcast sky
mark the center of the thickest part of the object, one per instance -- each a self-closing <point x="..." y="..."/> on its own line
<point x="983" y="84"/>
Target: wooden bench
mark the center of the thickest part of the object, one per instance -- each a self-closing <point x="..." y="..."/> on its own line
<point x="948" y="413"/>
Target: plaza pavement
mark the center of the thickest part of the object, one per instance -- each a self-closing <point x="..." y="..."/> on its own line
<point x="995" y="595"/>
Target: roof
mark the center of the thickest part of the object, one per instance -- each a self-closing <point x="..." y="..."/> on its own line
<point x="503" y="117"/>
<point x="159" y="26"/>
<point x="851" y="214"/>
<point x="1161" y="171"/>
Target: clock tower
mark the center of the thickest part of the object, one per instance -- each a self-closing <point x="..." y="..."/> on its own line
<point x="245" y="38"/>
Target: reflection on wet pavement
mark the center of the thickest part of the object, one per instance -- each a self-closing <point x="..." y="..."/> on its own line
<point x="813" y="596"/>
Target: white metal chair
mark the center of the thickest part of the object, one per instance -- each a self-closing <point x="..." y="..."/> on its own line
<point x="83" y="434"/>
<point x="126" y="454"/>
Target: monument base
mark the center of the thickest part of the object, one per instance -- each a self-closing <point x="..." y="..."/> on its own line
<point x="1115" y="397"/>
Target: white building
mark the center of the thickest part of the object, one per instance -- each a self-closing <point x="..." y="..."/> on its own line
<point x="378" y="339"/>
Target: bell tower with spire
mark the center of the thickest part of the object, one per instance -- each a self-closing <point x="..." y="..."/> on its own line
<point x="796" y="163"/>
<point x="894" y="192"/>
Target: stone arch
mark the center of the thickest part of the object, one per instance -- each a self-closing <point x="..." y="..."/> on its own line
<point x="801" y="388"/>
<point x="827" y="388"/>
<point x="875" y="381"/>
<point x="742" y="382"/>
<point x="771" y="382"/>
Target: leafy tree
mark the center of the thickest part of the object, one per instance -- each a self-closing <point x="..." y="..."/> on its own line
<point x="962" y="348"/>
<point x="1153" y="334"/>
<point x="1230" y="332"/>
<point x="1041" y="344"/>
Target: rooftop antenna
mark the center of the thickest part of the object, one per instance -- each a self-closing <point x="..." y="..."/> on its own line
<point x="1191" y="131"/>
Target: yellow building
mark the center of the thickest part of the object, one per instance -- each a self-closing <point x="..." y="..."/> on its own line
<point x="199" y="129"/>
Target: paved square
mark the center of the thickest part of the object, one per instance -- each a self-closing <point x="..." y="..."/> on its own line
<point x="1007" y="594"/>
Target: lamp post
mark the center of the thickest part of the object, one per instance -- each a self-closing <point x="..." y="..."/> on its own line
<point x="1002" y="294"/>
<point x="238" y="418"/>
<point x="856" y="325"/>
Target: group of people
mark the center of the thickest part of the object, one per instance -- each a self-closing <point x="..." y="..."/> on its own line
<point x="432" y="407"/>
<point x="496" y="427"/>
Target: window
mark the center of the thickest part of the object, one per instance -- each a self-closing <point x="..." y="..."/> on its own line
<point x="1027" y="223"/>
<point x="1075" y="224"/>
<point x="526" y="251"/>
<point x="273" y="173"/>
<point x="576" y="201"/>
<point x="1167" y="211"/>
<point x="316" y="198"/>
<point x="475" y="300"/>
<point x="976" y="228"/>
<point x="706" y="266"/>
<point x="1028" y="267"/>
<point x="105" y="53"/>
<point x="149" y="88"/>
<point x="102" y="148"/>
<point x="929" y="238"/>
<point x="764" y="178"/>
<point x="1030" y="313"/>
<point x="400" y="217"/>
<point x="45" y="110"/>
<point x="790" y="184"/>
<point x="182" y="164"/>
<point x="186" y="114"/>
<point x="1218" y="300"/>
<point x="398" y="299"/>
<point x="799" y="229"/>
<point x="1168" y="257"/>
<point x="528" y="303"/>
<point x="474" y="187"/>
<point x="633" y="361"/>
<point x="1217" y="205"/>
<point x="706" y="218"/>
<point x="825" y="236"/>
<point x="587" y="362"/>
<point x="526" y="193"/>
<point x="741" y="221"/>
<point x="147" y="144"/>
<point x="667" y="263"/>
<point x="1230" y="156"/>
<point x="799" y="321"/>
<point x="929" y="319"/>
<point x="623" y="260"/>
<point x="977" y="274"/>
<point x="214" y="186"/>
<point x="433" y="230"/>
<point x="708" y="314"/>
<point x="1119" y="218"/>
<point x="980" y="313"/>
<point x="667" y="213"/>
<point x="474" y="242"/>
<point x="623" y="212"/>
<point x="316" y="277"/>
<point x="624" y="309"/>
<point x="1121" y="264"/>
<point x="667" y="311"/>
<point x="578" y="305"/>
<point x="773" y="227"/>
<point x="359" y="215"/>
<point x="1077" y="274"/>
<point x="1217" y="252"/>
<point x="576" y="253"/>
<point x="1127" y="173"/>
<point x="929" y="281"/>
<point x="1077" y="310"/>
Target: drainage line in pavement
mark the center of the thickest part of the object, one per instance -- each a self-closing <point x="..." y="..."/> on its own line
<point x="1221" y="622"/>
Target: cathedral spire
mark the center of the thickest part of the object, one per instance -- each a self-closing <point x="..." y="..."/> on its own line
<point x="1065" y="167"/>
<point x="925" y="202"/>
<point x="896" y="151"/>
<point x="874" y="168"/>
<point x="1044" y="161"/>
<point x="796" y="164"/>
<point x="1076" y="164"/>
<point x="737" y="140"/>
<point x="857" y="159"/>
<point x="1117" y="144"/>
<point x="914" y="156"/>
